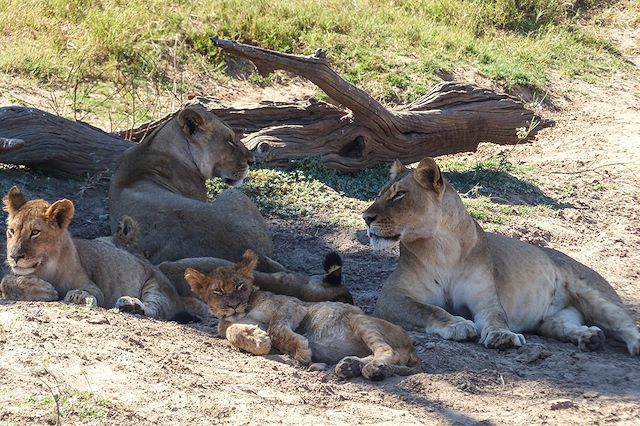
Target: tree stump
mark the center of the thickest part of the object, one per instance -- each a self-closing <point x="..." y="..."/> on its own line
<point x="359" y="133"/>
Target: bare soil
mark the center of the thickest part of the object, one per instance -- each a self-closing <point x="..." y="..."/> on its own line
<point x="73" y="365"/>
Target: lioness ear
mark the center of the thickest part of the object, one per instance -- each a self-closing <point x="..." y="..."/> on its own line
<point x="13" y="201"/>
<point x="190" y="120"/>
<point x="197" y="281"/>
<point x="248" y="263"/>
<point x="428" y="175"/>
<point x="397" y="168"/>
<point x="61" y="212"/>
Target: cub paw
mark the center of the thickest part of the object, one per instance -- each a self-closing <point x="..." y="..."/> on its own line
<point x="459" y="329"/>
<point x="501" y="339"/>
<point x="375" y="371"/>
<point x="349" y="367"/>
<point x="303" y="355"/>
<point x="250" y="338"/>
<point x="591" y="339"/>
<point x="80" y="297"/>
<point x="130" y="305"/>
<point x="634" y="347"/>
<point x="31" y="288"/>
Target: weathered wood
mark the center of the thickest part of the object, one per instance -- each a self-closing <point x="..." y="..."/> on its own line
<point x="361" y="132"/>
<point x="55" y="145"/>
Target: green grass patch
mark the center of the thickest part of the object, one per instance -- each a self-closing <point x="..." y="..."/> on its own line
<point x="72" y="404"/>
<point x="395" y="50"/>
<point x="493" y="190"/>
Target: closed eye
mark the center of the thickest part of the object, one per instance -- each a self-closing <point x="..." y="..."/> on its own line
<point x="239" y="286"/>
<point x="398" y="195"/>
<point x="10" y="232"/>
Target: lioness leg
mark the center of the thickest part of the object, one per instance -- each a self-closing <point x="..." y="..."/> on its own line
<point x="491" y="319"/>
<point x="284" y="338"/>
<point x="28" y="288"/>
<point x="567" y="325"/>
<point x="412" y="315"/>
<point x="612" y="317"/>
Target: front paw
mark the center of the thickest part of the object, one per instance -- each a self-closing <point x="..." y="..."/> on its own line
<point x="303" y="355"/>
<point x="130" y="305"/>
<point x="250" y="338"/>
<point x="459" y="329"/>
<point x="591" y="339"/>
<point x="80" y="297"/>
<point x="348" y="367"/>
<point x="31" y="288"/>
<point x="501" y="339"/>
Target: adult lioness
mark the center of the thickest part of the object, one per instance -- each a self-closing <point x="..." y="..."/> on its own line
<point x="325" y="332"/>
<point x="161" y="184"/>
<point x="449" y="265"/>
<point x="48" y="264"/>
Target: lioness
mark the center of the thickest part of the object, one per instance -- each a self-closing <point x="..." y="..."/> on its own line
<point x="449" y="266"/>
<point x="48" y="264"/>
<point x="161" y="184"/>
<point x="325" y="332"/>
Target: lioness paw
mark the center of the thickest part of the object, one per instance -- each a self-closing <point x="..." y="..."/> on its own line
<point x="348" y="367"/>
<point x="375" y="371"/>
<point x="80" y="297"/>
<point x="459" y="329"/>
<point x="634" y="347"/>
<point x="591" y="339"/>
<point x="501" y="339"/>
<point x="130" y="305"/>
<point x="303" y="355"/>
<point x="31" y="288"/>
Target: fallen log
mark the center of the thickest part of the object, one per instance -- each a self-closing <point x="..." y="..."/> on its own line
<point x="360" y="132"/>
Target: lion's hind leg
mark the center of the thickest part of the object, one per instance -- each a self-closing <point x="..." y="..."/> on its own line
<point x="567" y="325"/>
<point x="389" y="343"/>
<point x="610" y="315"/>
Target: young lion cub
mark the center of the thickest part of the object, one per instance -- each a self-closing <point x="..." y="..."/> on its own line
<point x="325" y="332"/>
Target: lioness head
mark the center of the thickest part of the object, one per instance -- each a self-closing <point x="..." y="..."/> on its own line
<point x="227" y="289"/>
<point x="35" y="230"/>
<point x="214" y="147"/>
<point x="408" y="207"/>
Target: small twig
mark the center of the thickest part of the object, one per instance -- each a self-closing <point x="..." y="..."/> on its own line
<point x="592" y="169"/>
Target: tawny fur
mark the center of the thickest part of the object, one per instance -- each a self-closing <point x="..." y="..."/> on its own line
<point x="450" y="266"/>
<point x="325" y="332"/>
<point x="47" y="264"/>
<point x="161" y="184"/>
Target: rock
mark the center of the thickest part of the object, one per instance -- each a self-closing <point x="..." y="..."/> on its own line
<point x="98" y="320"/>
<point x="562" y="404"/>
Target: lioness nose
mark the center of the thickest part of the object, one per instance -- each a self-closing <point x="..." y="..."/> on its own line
<point x="369" y="218"/>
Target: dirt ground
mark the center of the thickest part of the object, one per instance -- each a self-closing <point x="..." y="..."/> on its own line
<point x="100" y="367"/>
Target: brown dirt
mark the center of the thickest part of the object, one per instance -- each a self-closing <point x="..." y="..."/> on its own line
<point x="109" y="368"/>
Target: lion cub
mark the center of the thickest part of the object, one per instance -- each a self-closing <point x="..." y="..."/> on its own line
<point x="324" y="332"/>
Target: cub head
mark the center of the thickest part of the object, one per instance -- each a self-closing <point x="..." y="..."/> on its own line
<point x="35" y="230"/>
<point x="215" y="149"/>
<point x="227" y="289"/>
<point x="408" y="207"/>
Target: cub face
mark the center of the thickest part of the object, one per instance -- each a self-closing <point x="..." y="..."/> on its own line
<point x="214" y="146"/>
<point x="226" y="290"/>
<point x="409" y="207"/>
<point x="35" y="230"/>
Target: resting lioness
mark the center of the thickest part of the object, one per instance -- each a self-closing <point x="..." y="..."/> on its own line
<point x="325" y="332"/>
<point x="449" y="266"/>
<point x="47" y="264"/>
<point x="161" y="184"/>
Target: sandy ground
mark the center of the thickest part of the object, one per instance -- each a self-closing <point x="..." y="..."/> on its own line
<point x="79" y="366"/>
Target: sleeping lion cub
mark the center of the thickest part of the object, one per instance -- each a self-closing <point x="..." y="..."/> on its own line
<point x="449" y="266"/>
<point x="324" y="332"/>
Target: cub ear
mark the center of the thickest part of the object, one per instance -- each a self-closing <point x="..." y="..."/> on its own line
<point x="61" y="212"/>
<point x="428" y="175"/>
<point x="397" y="168"/>
<point x="248" y="263"/>
<point x="190" y="120"/>
<point x="13" y="201"/>
<point x="197" y="281"/>
<point x="128" y="229"/>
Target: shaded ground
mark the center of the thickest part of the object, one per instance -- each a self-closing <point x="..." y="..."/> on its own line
<point x="105" y="367"/>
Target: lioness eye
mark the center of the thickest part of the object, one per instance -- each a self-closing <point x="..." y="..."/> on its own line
<point x="10" y="232"/>
<point x="398" y="195"/>
<point x="239" y="286"/>
<point x="231" y="142"/>
<point x="218" y="292"/>
<point x="35" y="233"/>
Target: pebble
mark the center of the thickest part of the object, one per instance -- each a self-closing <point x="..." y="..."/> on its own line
<point x="562" y="404"/>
